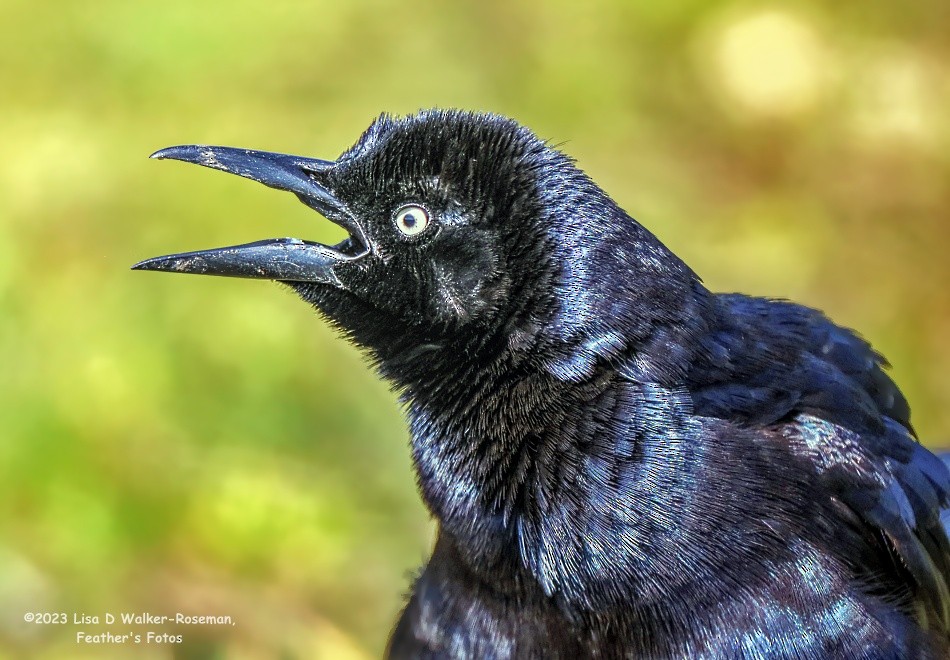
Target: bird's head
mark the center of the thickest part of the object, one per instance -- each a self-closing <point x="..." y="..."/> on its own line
<point x="460" y="225"/>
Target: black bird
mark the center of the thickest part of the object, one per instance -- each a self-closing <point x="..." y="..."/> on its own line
<point x="621" y="463"/>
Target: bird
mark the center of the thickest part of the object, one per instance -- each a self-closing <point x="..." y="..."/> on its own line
<point x="620" y="462"/>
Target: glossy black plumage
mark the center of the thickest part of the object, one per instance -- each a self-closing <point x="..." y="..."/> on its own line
<point x="622" y="463"/>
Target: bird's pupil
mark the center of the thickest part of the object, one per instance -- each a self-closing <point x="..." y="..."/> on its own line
<point x="409" y="220"/>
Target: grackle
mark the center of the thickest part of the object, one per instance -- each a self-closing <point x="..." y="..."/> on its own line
<point x="622" y="463"/>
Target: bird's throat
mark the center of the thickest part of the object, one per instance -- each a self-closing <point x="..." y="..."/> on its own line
<point x="519" y="488"/>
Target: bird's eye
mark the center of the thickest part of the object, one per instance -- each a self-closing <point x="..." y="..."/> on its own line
<point x="412" y="219"/>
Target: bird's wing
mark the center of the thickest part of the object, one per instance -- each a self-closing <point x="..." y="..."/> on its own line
<point x="891" y="488"/>
<point x="783" y="366"/>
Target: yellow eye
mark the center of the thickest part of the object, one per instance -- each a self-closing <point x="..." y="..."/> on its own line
<point x="412" y="219"/>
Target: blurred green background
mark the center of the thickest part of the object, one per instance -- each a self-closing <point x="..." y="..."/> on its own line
<point x="208" y="446"/>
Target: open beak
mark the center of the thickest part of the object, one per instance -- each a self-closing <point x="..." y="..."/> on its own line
<point x="286" y="259"/>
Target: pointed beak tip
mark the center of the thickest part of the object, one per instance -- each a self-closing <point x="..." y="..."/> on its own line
<point x="163" y="153"/>
<point x="183" y="152"/>
<point x="145" y="264"/>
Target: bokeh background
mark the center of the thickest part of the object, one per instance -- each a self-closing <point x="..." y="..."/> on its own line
<point x="209" y="446"/>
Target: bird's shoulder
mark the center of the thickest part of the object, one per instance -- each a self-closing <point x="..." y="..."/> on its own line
<point x="761" y="360"/>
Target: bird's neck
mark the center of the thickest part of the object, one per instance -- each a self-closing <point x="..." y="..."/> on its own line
<point x="526" y="472"/>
